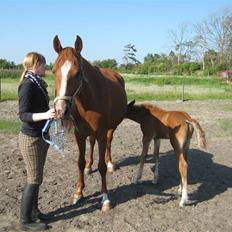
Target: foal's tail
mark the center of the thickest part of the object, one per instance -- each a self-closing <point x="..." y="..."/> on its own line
<point x="200" y="133"/>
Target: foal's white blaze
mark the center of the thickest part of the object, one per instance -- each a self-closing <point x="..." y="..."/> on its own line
<point x="65" y="68"/>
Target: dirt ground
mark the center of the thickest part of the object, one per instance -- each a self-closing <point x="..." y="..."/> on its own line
<point x="136" y="207"/>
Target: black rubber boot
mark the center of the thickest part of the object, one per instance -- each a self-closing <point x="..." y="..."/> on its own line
<point x="37" y="215"/>
<point x="28" y="201"/>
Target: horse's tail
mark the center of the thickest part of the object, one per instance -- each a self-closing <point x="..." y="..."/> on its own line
<point x="200" y="133"/>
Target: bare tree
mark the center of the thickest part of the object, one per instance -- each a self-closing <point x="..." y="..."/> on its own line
<point x="180" y="40"/>
<point x="215" y="33"/>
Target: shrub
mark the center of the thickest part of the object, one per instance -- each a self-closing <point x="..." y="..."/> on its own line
<point x="10" y="73"/>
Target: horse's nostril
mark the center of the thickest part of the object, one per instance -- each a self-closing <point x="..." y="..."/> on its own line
<point x="59" y="113"/>
<point x="65" y="111"/>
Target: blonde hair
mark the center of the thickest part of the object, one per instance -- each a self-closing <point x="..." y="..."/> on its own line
<point x="32" y="61"/>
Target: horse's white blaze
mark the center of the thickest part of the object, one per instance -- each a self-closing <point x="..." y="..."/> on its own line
<point x="65" y="68"/>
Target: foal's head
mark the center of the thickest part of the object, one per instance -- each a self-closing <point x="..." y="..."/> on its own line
<point x="136" y="112"/>
<point x="66" y="68"/>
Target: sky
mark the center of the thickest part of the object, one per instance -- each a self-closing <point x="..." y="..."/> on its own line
<point x="105" y="26"/>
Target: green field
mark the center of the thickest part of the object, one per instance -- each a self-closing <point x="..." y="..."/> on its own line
<point x="150" y="87"/>
<point x="9" y="126"/>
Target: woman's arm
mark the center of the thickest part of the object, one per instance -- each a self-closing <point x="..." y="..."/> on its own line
<point x="42" y="116"/>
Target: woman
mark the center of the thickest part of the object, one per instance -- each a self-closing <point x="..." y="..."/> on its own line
<point x="33" y="112"/>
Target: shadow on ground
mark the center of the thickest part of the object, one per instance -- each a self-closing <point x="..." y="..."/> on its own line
<point x="213" y="178"/>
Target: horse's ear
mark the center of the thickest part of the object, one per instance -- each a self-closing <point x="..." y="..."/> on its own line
<point x="131" y="103"/>
<point x="78" y="44"/>
<point x="56" y="44"/>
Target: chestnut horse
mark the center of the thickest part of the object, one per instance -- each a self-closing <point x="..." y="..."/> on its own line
<point x="177" y="126"/>
<point x="95" y="99"/>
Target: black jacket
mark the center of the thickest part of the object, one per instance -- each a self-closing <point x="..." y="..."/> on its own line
<point x="33" y="98"/>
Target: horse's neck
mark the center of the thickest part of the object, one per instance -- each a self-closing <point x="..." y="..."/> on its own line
<point x="88" y="97"/>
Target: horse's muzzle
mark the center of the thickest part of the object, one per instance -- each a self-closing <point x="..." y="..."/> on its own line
<point x="61" y="109"/>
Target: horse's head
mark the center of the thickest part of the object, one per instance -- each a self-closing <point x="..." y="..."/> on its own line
<point x="66" y="68"/>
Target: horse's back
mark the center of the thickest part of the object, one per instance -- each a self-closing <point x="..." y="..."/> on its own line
<point x="177" y="117"/>
<point x="116" y="95"/>
<point x="169" y="118"/>
<point x="113" y="76"/>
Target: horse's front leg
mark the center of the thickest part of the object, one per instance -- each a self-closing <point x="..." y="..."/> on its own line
<point x="81" y="166"/>
<point x="88" y="166"/>
<point x="110" y="166"/>
<point x="102" y="140"/>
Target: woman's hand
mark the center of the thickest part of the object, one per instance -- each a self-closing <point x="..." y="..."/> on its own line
<point x="50" y="114"/>
<point x="43" y="116"/>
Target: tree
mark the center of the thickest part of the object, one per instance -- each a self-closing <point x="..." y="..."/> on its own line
<point x="180" y="41"/>
<point x="109" y="63"/>
<point x="215" y="33"/>
<point x="130" y="54"/>
<point x="4" y="64"/>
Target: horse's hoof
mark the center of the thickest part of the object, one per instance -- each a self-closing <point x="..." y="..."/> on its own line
<point x="110" y="168"/>
<point x="182" y="204"/>
<point x="77" y="198"/>
<point x="106" y="206"/>
<point x="88" y="171"/>
<point x="136" y="180"/>
<point x="155" y="181"/>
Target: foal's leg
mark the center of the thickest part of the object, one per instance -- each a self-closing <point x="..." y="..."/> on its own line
<point x="185" y="148"/>
<point x="156" y="154"/>
<point x="146" y="143"/>
<point x="88" y="166"/>
<point x="180" y="143"/>
<point x="81" y="165"/>
<point x="102" y="140"/>
<point x="110" y="166"/>
<point x="183" y="173"/>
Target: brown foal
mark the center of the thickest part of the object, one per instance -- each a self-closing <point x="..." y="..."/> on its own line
<point x="177" y="126"/>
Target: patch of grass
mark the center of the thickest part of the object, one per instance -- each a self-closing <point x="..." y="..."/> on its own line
<point x="148" y="87"/>
<point x="9" y="88"/>
<point x="175" y="80"/>
<point x="148" y="96"/>
<point x="172" y="96"/>
<point x="9" y="126"/>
